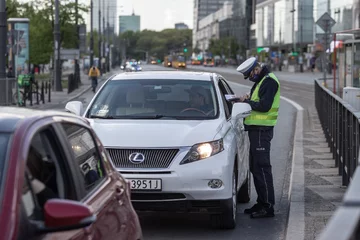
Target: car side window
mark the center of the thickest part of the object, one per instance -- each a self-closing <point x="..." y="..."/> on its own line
<point x="228" y="90"/>
<point x="46" y="175"/>
<point x="226" y="106"/>
<point x="227" y="86"/>
<point x="86" y="154"/>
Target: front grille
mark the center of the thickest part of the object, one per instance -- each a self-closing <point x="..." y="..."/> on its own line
<point x="154" y="158"/>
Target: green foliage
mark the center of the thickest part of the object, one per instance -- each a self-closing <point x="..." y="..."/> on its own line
<point x="157" y="44"/>
<point x="227" y="46"/>
<point x="41" y="15"/>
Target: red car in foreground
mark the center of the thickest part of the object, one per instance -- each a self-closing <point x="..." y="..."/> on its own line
<point x="57" y="181"/>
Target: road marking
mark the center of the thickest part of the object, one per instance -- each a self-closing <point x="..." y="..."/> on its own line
<point x="295" y="229"/>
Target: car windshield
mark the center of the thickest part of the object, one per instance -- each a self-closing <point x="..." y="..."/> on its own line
<point x="4" y="139"/>
<point x="156" y="99"/>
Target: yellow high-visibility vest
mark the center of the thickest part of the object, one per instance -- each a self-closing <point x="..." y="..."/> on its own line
<point x="264" y="118"/>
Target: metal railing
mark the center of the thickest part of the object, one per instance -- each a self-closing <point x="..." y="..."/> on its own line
<point x="341" y="125"/>
<point x="11" y="94"/>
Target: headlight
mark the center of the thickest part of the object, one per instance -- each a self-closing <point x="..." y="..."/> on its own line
<point x="202" y="151"/>
<point x="132" y="68"/>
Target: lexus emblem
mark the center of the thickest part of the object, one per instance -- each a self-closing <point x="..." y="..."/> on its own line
<point x="136" y="158"/>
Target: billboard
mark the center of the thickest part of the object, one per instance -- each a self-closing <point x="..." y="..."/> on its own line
<point x="18" y="41"/>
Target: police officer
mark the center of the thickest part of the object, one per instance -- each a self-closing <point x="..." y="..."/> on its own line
<point x="264" y="100"/>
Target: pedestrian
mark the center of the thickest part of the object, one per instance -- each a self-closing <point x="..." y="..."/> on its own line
<point x="264" y="99"/>
<point x="94" y="73"/>
<point x="312" y="63"/>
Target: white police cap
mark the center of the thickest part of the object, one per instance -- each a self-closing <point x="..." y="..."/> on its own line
<point x="246" y="67"/>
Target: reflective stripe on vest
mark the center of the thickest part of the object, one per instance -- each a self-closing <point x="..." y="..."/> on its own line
<point x="264" y="118"/>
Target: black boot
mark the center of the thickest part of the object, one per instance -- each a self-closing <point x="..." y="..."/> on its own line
<point x="254" y="208"/>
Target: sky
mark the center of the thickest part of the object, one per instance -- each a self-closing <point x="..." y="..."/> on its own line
<point x="156" y="14"/>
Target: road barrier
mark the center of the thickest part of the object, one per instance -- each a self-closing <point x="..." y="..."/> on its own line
<point x="12" y="93"/>
<point x="341" y="125"/>
<point x="340" y="122"/>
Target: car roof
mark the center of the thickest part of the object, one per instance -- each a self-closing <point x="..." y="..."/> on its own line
<point x="10" y="117"/>
<point x="175" y="75"/>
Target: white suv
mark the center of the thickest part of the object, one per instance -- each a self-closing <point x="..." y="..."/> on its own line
<point x="177" y="139"/>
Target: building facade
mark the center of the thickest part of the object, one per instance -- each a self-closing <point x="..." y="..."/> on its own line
<point x="203" y="8"/>
<point x="284" y="24"/>
<point x="181" y="26"/>
<point x="291" y="24"/>
<point x="208" y="27"/>
<point x="129" y="23"/>
<point x="239" y="25"/>
<point x="108" y="11"/>
<point x="344" y="12"/>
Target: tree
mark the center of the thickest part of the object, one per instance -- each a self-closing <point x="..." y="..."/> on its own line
<point x="157" y="44"/>
<point x="226" y="46"/>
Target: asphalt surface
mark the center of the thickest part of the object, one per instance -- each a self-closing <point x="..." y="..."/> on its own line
<point x="163" y="226"/>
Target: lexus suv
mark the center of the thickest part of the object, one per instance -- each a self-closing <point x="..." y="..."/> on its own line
<point x="178" y="138"/>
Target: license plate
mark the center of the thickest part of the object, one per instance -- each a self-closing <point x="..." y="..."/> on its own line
<point x="145" y="184"/>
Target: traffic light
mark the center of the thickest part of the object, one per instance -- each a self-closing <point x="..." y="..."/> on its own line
<point x="185" y="49"/>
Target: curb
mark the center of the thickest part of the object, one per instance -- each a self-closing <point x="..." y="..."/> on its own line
<point x="295" y="229"/>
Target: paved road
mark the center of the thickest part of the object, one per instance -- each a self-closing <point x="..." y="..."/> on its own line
<point x="304" y="78"/>
<point x="158" y="226"/>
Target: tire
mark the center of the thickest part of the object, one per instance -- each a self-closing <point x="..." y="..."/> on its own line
<point x="245" y="191"/>
<point x="227" y="220"/>
<point x="21" y="99"/>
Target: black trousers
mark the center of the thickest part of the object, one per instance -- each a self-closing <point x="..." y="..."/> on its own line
<point x="260" y="166"/>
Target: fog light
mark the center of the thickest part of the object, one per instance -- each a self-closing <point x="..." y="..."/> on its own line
<point x="215" y="183"/>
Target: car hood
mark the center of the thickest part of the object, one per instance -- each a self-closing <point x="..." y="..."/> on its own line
<point x="154" y="133"/>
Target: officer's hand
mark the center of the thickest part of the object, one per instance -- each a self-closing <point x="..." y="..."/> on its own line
<point x="241" y="99"/>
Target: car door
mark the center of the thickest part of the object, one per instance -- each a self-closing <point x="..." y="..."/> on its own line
<point x="227" y="106"/>
<point x="241" y="136"/>
<point x="100" y="188"/>
<point x="46" y="175"/>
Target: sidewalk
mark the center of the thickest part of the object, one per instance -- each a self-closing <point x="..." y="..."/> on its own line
<point x="63" y="97"/>
<point x="316" y="185"/>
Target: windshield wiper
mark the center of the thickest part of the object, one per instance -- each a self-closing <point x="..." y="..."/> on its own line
<point x="101" y="117"/>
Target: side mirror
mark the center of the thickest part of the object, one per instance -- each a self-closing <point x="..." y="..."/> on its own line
<point x="65" y="215"/>
<point x="75" y="107"/>
<point x="240" y="110"/>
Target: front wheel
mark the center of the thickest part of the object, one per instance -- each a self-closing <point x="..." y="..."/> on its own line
<point x="227" y="220"/>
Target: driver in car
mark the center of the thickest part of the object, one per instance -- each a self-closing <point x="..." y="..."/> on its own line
<point x="197" y="97"/>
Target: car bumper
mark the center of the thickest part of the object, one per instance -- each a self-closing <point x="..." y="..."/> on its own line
<point x="188" y="182"/>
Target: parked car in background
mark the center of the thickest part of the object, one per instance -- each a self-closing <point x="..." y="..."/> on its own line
<point x="57" y="181"/>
